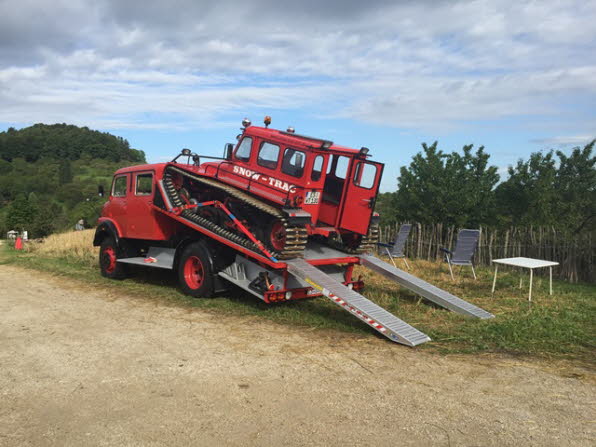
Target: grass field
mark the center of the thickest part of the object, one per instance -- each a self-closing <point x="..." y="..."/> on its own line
<point x="561" y="325"/>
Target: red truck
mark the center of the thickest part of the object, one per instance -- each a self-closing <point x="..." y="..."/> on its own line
<point x="283" y="216"/>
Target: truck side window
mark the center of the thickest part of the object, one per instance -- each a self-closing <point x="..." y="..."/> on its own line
<point x="144" y="184"/>
<point x="293" y="162"/>
<point x="268" y="155"/>
<point x="365" y="174"/>
<point x="317" y="167"/>
<point x="243" y="151"/>
<point x="119" y="188"/>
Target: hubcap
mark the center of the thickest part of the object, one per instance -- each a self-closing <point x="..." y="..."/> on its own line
<point x="193" y="272"/>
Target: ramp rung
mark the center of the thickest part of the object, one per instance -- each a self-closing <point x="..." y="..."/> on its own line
<point x="372" y="314"/>
<point x="428" y="291"/>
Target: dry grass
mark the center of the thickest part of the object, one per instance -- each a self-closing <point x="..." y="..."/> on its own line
<point x="73" y="245"/>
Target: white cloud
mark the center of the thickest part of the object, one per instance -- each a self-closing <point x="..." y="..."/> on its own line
<point x="421" y="65"/>
<point x="570" y="140"/>
<point x="431" y="102"/>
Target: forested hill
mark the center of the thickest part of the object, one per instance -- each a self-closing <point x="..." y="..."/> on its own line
<point x="65" y="141"/>
<point x="51" y="175"/>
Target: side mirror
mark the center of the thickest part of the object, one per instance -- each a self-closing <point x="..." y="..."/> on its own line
<point x="228" y="149"/>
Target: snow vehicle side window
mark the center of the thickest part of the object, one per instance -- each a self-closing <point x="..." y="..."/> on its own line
<point x="365" y="174"/>
<point x="243" y="151"/>
<point x="293" y="162"/>
<point x="341" y="166"/>
<point x="268" y="155"/>
<point x="317" y="168"/>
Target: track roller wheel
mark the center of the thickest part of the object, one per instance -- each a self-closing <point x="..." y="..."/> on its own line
<point x="277" y="236"/>
<point x="351" y="240"/>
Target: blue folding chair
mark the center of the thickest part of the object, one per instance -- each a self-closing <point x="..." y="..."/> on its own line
<point x="465" y="247"/>
<point x="397" y="247"/>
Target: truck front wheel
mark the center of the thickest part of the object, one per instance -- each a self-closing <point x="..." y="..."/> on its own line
<point x="194" y="271"/>
<point x="109" y="252"/>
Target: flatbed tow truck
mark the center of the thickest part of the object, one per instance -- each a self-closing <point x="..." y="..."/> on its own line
<point x="282" y="216"/>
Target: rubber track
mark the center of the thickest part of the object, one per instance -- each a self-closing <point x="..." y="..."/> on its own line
<point x="296" y="237"/>
<point x="367" y="244"/>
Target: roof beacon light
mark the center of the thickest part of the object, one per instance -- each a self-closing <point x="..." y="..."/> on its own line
<point x="363" y="152"/>
<point x="267" y="121"/>
<point x="326" y="144"/>
<point x="290" y="129"/>
<point x="246" y="122"/>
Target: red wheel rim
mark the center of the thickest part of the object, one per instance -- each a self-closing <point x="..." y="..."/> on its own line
<point x="109" y="259"/>
<point x="194" y="272"/>
<point x="278" y="236"/>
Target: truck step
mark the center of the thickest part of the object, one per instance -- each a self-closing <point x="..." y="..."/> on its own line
<point x="159" y="257"/>
<point x="424" y="289"/>
<point x="372" y="314"/>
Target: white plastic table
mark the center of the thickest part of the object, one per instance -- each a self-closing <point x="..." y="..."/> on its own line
<point x="527" y="263"/>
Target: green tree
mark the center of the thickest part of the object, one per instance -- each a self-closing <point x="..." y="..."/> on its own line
<point x="5" y="167"/>
<point x="50" y="218"/>
<point x="70" y="195"/>
<point x="575" y="184"/>
<point x="385" y="206"/>
<point x="64" y="172"/>
<point x="529" y="195"/>
<point x="454" y="189"/>
<point x="20" y="214"/>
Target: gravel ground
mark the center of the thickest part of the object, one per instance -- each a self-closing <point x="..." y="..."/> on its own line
<point x="82" y="366"/>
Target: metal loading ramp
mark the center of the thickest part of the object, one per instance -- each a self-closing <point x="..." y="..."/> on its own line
<point x="372" y="314"/>
<point x="428" y="291"/>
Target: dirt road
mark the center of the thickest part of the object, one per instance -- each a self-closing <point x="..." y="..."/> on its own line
<point x="81" y="366"/>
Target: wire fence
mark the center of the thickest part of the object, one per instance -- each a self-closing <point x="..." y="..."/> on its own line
<point x="576" y="254"/>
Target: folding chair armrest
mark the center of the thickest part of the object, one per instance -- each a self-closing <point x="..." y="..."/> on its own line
<point x="444" y="250"/>
<point x="382" y="244"/>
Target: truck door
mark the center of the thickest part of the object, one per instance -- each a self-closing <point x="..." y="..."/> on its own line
<point x="141" y="217"/>
<point x="116" y="208"/>
<point x="359" y="200"/>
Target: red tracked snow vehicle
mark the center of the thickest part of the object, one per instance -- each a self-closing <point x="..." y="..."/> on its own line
<point x="281" y="215"/>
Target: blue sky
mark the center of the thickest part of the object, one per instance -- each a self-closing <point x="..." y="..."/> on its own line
<point x="513" y="76"/>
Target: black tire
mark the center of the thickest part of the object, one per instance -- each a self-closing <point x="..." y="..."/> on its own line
<point x="109" y="253"/>
<point x="195" y="272"/>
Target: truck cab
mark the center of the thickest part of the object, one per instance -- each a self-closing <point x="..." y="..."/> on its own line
<point x="129" y="207"/>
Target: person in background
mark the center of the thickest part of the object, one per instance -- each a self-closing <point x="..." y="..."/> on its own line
<point x="80" y="225"/>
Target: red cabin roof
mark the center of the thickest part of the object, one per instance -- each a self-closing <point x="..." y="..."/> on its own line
<point x="297" y="140"/>
<point x="147" y="167"/>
